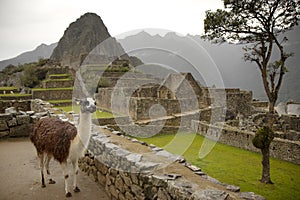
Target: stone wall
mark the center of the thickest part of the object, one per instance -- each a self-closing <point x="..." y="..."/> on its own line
<point x="13" y="125"/>
<point x="52" y="94"/>
<point x="236" y="100"/>
<point x="280" y="148"/>
<point x="58" y="83"/>
<point x="128" y="170"/>
<point x="23" y="105"/>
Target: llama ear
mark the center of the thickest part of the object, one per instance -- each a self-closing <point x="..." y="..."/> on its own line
<point x="77" y="101"/>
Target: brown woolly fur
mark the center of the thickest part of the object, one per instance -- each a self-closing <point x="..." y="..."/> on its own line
<point x="53" y="137"/>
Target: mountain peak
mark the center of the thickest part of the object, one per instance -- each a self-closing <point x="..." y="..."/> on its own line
<point x="79" y="39"/>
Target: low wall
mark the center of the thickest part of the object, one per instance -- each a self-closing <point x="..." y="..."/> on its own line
<point x="129" y="170"/>
<point x="58" y="83"/>
<point x="280" y="148"/>
<point x="23" y="105"/>
<point x="53" y="94"/>
<point x="12" y="125"/>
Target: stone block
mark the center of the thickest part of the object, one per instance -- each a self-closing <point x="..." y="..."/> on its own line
<point x="3" y="125"/>
<point x="4" y="133"/>
<point x="10" y="110"/>
<point x="120" y="184"/>
<point x="129" y="196"/>
<point x="5" y="117"/>
<point x="113" y="191"/>
<point x="101" y="179"/>
<point x="23" y="119"/>
<point x="209" y="194"/>
<point x="251" y="196"/>
<point x="12" y="122"/>
<point x="163" y="194"/>
<point x="136" y="189"/>
<point x="21" y="131"/>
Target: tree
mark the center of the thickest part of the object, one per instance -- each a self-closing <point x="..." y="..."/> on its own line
<point x="262" y="140"/>
<point x="260" y="25"/>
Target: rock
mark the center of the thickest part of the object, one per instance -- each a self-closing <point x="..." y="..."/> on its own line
<point x="21" y="130"/>
<point x="136" y="189"/>
<point x="30" y="113"/>
<point x="200" y="173"/>
<point x="129" y="196"/>
<point x="209" y="195"/>
<point x="250" y="196"/>
<point x="160" y="180"/>
<point x="146" y="165"/>
<point x="3" y="125"/>
<point x="120" y="184"/>
<point x="213" y="180"/>
<point x="163" y="194"/>
<point x="12" y="122"/>
<point x="5" y="117"/>
<point x="10" y="110"/>
<point x="193" y="168"/>
<point x="23" y="119"/>
<point x="113" y="191"/>
<point x="134" y="157"/>
<point x="4" y="133"/>
<point x="233" y="188"/>
<point x="157" y="149"/>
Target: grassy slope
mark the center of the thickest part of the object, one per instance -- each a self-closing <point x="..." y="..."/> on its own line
<point x="98" y="114"/>
<point x="235" y="166"/>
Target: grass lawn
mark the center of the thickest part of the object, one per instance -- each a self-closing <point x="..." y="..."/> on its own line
<point x="97" y="114"/>
<point x="15" y="95"/>
<point x="50" y="89"/>
<point x="234" y="166"/>
<point x="8" y="88"/>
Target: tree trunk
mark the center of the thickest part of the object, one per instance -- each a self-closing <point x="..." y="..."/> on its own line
<point x="266" y="177"/>
<point x="271" y="117"/>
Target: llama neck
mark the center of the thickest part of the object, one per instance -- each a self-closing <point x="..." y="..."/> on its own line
<point x="84" y="128"/>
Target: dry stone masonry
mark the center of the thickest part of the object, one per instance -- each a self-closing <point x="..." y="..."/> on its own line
<point x="128" y="174"/>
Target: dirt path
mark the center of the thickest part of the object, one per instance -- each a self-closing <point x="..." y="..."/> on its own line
<point x="20" y="176"/>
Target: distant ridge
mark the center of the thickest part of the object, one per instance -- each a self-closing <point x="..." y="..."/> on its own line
<point x="235" y="72"/>
<point x="42" y="51"/>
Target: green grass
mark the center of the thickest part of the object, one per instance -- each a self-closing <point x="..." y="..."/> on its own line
<point x="97" y="114"/>
<point x="8" y="88"/>
<point x="60" y="101"/>
<point x="57" y="80"/>
<point x="59" y="75"/>
<point x="235" y="166"/>
<point x="51" y="89"/>
<point x="15" y="95"/>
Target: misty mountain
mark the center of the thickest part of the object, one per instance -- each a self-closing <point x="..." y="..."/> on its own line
<point x="211" y="62"/>
<point x="42" y="51"/>
<point x="87" y="36"/>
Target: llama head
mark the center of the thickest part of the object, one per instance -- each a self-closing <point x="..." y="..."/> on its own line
<point x="87" y="105"/>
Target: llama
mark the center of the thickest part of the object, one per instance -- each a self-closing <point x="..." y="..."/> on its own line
<point x="54" y="138"/>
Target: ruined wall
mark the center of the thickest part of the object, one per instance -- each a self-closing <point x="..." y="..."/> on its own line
<point x="58" y="83"/>
<point x="13" y="125"/>
<point x="130" y="174"/>
<point x="53" y="94"/>
<point x="237" y="101"/>
<point x="280" y="148"/>
<point x="23" y="105"/>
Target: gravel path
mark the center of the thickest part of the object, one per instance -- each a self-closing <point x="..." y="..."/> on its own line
<point x="20" y="176"/>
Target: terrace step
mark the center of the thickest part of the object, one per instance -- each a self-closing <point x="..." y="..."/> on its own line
<point x="61" y="103"/>
<point x="59" y="76"/>
<point x="47" y="94"/>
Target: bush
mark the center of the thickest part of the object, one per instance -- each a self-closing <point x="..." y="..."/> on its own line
<point x="263" y="137"/>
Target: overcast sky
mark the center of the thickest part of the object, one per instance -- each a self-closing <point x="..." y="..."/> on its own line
<point x="25" y="24"/>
